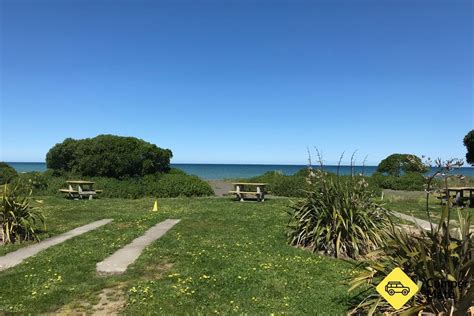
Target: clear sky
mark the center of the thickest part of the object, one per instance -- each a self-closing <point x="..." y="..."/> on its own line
<point x="239" y="81"/>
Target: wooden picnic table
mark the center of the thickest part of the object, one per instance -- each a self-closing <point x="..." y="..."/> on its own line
<point x="459" y="194"/>
<point x="80" y="189"/>
<point x="241" y="189"/>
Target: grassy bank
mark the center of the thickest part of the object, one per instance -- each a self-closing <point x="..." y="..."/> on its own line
<point x="223" y="257"/>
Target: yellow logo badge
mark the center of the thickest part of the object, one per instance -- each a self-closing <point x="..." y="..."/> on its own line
<point x="397" y="288"/>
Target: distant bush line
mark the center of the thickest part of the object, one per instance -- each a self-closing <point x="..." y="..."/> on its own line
<point x="175" y="183"/>
<point x="296" y="185"/>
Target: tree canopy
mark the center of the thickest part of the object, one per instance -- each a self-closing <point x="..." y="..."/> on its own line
<point x="396" y="164"/>
<point x="469" y="143"/>
<point x="108" y="156"/>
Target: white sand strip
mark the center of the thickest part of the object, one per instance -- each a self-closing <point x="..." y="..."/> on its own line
<point x="16" y="257"/>
<point x="122" y="258"/>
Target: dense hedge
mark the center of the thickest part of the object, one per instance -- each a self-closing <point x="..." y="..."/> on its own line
<point x="7" y="173"/>
<point x="108" y="156"/>
<point x="173" y="184"/>
<point x="283" y="185"/>
<point x="411" y="181"/>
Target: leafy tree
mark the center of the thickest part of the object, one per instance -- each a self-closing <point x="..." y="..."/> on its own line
<point x="469" y="143"/>
<point x="7" y="173"/>
<point x="62" y="156"/>
<point x="109" y="156"/>
<point x="396" y="164"/>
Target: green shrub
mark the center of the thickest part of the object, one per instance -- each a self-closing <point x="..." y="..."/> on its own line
<point x="115" y="188"/>
<point x="397" y="164"/>
<point x="7" y="173"/>
<point x="282" y="185"/>
<point x="296" y="185"/>
<point x="304" y="172"/>
<point x="267" y="177"/>
<point x="338" y="217"/>
<point x="174" y="184"/>
<point x="18" y="218"/>
<point x="411" y="181"/>
<point x="39" y="183"/>
<point x="108" y="156"/>
<point x="36" y="180"/>
<point x="291" y="186"/>
<point x="176" y="171"/>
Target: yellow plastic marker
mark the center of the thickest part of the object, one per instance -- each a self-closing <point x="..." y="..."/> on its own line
<point x="155" y="206"/>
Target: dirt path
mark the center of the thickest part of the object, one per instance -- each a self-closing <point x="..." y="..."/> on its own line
<point x="220" y="187"/>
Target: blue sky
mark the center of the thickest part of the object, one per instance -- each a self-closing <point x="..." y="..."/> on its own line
<point x="239" y="81"/>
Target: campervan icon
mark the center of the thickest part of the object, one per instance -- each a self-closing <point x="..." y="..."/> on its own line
<point x="393" y="287"/>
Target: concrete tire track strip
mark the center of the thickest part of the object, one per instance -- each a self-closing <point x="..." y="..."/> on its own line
<point x="16" y="257"/>
<point x="118" y="262"/>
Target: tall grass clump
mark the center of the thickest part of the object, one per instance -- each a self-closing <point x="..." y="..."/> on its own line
<point x="440" y="260"/>
<point x="337" y="216"/>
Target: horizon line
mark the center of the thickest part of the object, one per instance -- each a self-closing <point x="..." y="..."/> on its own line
<point x="255" y="164"/>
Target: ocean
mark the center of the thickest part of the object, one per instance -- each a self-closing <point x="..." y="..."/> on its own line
<point x="233" y="171"/>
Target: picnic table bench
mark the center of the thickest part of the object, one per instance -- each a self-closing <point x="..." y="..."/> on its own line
<point x="242" y="189"/>
<point x="459" y="195"/>
<point x="80" y="189"/>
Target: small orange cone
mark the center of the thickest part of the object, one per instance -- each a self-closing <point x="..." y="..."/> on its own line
<point x="155" y="206"/>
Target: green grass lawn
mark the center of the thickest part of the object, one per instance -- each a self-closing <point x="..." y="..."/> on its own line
<point x="223" y="257"/>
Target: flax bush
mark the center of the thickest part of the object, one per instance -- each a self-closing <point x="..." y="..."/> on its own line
<point x="337" y="216"/>
<point x="19" y="219"/>
<point x="440" y="260"/>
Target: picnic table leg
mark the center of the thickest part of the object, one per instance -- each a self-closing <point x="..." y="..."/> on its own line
<point x="459" y="198"/>
<point x="260" y="194"/>
<point x="240" y="196"/>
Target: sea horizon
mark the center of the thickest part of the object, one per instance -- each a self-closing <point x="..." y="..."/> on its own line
<point x="216" y="171"/>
